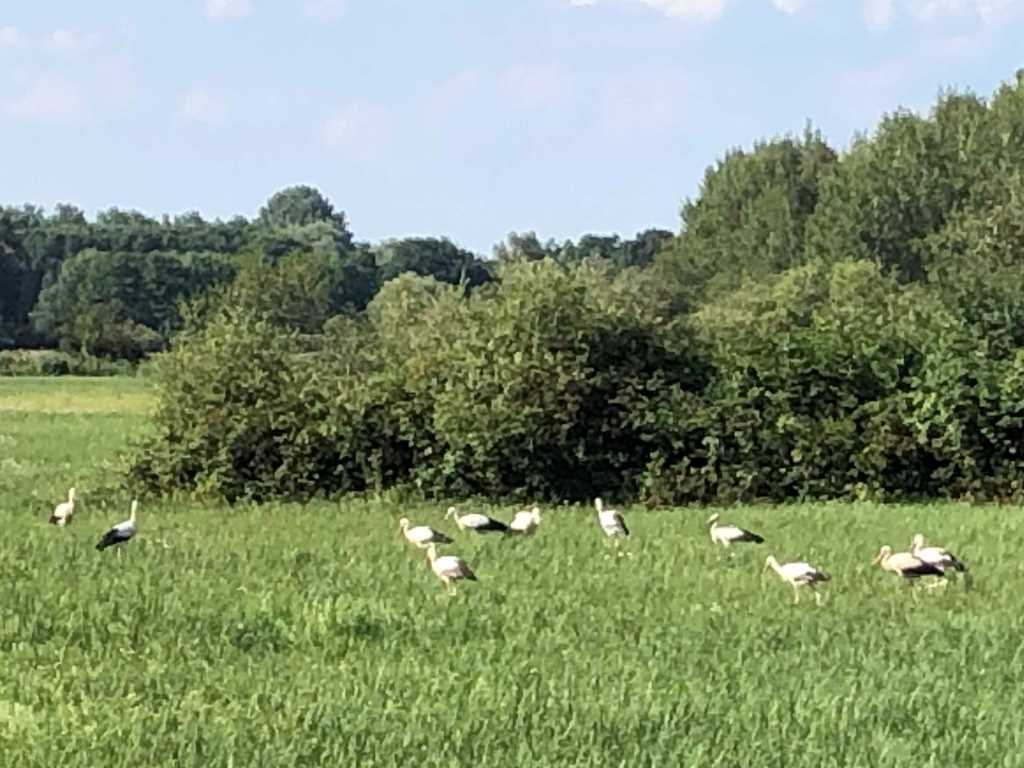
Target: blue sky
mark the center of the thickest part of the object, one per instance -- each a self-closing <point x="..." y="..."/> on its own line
<point x="463" y="118"/>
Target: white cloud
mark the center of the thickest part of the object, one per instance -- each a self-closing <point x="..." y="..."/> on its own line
<point x="116" y="82"/>
<point x="450" y="95"/>
<point x="880" y="14"/>
<point x="12" y="37"/>
<point x="358" y="129"/>
<point x="705" y="10"/>
<point x="70" y="41"/>
<point x="534" y="86"/>
<point x="644" y="105"/>
<point x="877" y="14"/>
<point x="788" y="6"/>
<point x="228" y="9"/>
<point x="48" y="98"/>
<point x="200" y="105"/>
<point x="987" y="11"/>
<point x="324" y="10"/>
<point x="702" y="10"/>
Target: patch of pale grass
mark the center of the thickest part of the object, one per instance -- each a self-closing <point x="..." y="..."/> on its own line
<point x="70" y="394"/>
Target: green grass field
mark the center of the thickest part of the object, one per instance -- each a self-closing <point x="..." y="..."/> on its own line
<point x="316" y="636"/>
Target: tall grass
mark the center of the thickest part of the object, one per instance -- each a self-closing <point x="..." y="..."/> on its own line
<point x="287" y="635"/>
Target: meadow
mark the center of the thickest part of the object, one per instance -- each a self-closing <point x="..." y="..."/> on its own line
<point x="292" y="635"/>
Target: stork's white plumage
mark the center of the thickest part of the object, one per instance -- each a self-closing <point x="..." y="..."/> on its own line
<point x="937" y="556"/>
<point x="798" y="574"/>
<point x="611" y="520"/>
<point x="907" y="565"/>
<point x="64" y="511"/>
<point x="422" y="535"/>
<point x="449" y="568"/>
<point x="525" y="522"/>
<point x="121" y="532"/>
<point x="475" y="522"/>
<point x="730" y="534"/>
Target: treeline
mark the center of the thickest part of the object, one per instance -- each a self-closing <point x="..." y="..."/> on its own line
<point x="824" y="325"/>
<point x="117" y="287"/>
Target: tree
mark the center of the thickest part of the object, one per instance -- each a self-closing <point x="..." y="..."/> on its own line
<point x="122" y="305"/>
<point x="437" y="257"/>
<point x="523" y="246"/>
<point x="300" y="206"/>
<point x="897" y="187"/>
<point x="748" y="219"/>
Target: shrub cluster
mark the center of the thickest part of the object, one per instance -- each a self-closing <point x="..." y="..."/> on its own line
<point x="822" y="326"/>
<point x="563" y="383"/>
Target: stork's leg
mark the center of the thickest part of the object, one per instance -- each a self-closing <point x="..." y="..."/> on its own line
<point x="796" y="595"/>
<point x="914" y="592"/>
<point x="817" y="597"/>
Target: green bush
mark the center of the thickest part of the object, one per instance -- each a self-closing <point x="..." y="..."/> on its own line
<point x="528" y="386"/>
<point x="531" y="384"/>
<point x="812" y="372"/>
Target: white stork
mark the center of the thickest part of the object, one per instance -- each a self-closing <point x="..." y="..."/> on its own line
<point x="907" y="565"/>
<point x="798" y="575"/>
<point x="612" y="523"/>
<point x="475" y="521"/>
<point x="449" y="568"/>
<point x="937" y="556"/>
<point x="422" y="535"/>
<point x="63" y="512"/>
<point x="730" y="534"/>
<point x="121" y="532"/>
<point x="525" y="522"/>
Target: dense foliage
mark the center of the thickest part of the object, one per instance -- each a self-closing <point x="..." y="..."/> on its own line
<point x="114" y="288"/>
<point x="823" y="325"/>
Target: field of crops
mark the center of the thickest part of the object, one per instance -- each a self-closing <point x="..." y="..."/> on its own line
<point x="284" y="635"/>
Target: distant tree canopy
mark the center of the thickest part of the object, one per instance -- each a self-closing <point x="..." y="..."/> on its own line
<point x="112" y="287"/>
<point x="823" y="325"/>
<point x="123" y="305"/>
<point x="638" y="252"/>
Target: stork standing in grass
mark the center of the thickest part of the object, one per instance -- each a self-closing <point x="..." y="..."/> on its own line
<point x="64" y="511"/>
<point x="475" y="522"/>
<point x="612" y="523"/>
<point x="907" y="565"/>
<point x="121" y="532"/>
<point x="939" y="557"/>
<point x="798" y="575"/>
<point x="422" y="535"/>
<point x="730" y="534"/>
<point x="525" y="522"/>
<point x="449" y="568"/>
